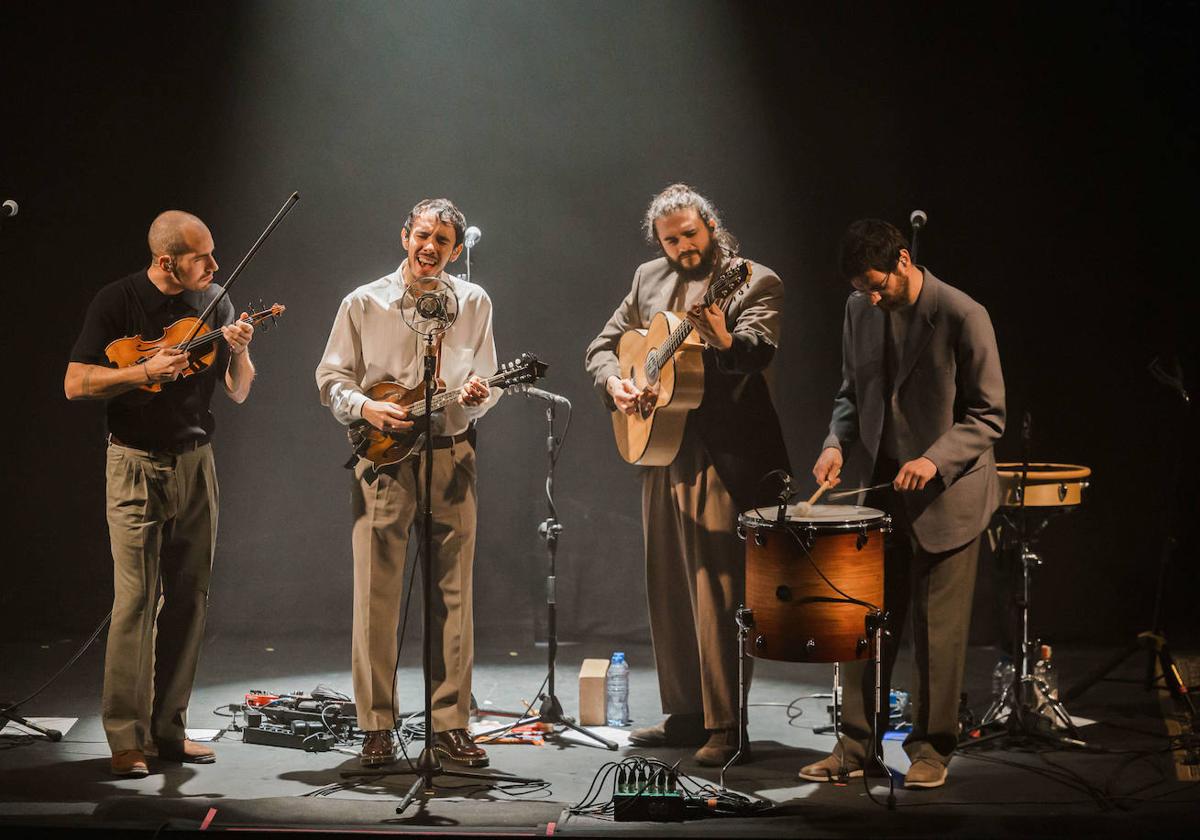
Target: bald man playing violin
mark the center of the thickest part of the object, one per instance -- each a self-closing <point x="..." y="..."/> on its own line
<point x="161" y="483"/>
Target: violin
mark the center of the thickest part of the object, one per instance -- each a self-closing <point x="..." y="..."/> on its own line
<point x="190" y="334"/>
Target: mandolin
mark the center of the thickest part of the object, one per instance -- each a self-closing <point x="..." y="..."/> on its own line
<point x="666" y="360"/>
<point x="383" y="448"/>
<point x="202" y="349"/>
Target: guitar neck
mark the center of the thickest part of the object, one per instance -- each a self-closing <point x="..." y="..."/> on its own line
<point x="443" y="399"/>
<point x="680" y="333"/>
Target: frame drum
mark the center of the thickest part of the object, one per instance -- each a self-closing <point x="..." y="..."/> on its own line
<point x="1046" y="485"/>
<point x="794" y="570"/>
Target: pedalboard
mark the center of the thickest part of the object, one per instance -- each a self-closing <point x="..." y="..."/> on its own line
<point x="299" y="736"/>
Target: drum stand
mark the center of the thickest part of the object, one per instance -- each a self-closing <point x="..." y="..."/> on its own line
<point x="1031" y="710"/>
<point x="876" y="621"/>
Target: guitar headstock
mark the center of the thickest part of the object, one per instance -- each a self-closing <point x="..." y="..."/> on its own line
<point x="267" y="317"/>
<point x="525" y="368"/>
<point x="731" y="279"/>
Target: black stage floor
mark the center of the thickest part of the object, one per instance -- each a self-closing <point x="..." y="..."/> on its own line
<point x="1125" y="782"/>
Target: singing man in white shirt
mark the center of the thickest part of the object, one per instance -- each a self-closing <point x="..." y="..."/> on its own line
<point x="370" y="343"/>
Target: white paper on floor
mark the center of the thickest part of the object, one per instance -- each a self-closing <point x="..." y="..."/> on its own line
<point x="203" y="734"/>
<point x="63" y="725"/>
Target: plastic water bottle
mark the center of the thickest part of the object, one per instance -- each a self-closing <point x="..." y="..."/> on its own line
<point x="616" y="684"/>
<point x="1002" y="678"/>
<point x="1045" y="680"/>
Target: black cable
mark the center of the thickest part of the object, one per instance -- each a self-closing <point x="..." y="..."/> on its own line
<point x="62" y="670"/>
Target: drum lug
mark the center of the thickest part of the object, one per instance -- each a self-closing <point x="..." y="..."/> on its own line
<point x="808" y="538"/>
<point x="810" y="645"/>
<point x="741" y="533"/>
<point x="1019" y="494"/>
<point x="862" y="538"/>
<point x="1062" y="490"/>
<point x="759" y="643"/>
<point x="760" y="538"/>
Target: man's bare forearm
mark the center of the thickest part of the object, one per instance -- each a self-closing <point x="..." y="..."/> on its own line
<point x="239" y="376"/>
<point x="96" y="382"/>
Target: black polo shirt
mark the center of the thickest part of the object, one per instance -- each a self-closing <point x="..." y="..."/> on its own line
<point x="180" y="412"/>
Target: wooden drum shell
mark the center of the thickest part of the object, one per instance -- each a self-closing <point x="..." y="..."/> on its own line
<point x="797" y="616"/>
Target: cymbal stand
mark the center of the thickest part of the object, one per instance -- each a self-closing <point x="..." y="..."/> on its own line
<point x="551" y="710"/>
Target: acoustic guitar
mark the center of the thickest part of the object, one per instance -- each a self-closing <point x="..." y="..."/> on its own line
<point x="666" y="358"/>
<point x="383" y="448"/>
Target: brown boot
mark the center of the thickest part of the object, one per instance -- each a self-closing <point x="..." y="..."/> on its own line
<point x="925" y="773"/>
<point x="673" y="731"/>
<point x="722" y="745"/>
<point x="130" y="764"/>
<point x="378" y="749"/>
<point x="458" y="746"/>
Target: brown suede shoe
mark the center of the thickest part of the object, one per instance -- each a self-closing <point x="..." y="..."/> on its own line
<point x="722" y="745"/>
<point x="672" y="731"/>
<point x="458" y="746"/>
<point x="185" y="752"/>
<point x="378" y="749"/>
<point x="832" y="768"/>
<point x="130" y="764"/>
<point x="925" y="773"/>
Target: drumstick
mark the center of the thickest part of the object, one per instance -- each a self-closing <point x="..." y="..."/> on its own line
<point x="852" y="492"/>
<point x="805" y="508"/>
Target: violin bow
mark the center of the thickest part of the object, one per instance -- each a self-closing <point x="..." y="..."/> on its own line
<point x="283" y="211"/>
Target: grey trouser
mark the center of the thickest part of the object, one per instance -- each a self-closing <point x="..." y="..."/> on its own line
<point x="939" y="589"/>
<point x="695" y="581"/>
<point x="385" y="512"/>
<point x="162" y="523"/>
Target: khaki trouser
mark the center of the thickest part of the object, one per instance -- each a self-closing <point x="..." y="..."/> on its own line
<point x="385" y="512"/>
<point x="162" y="524"/>
<point x="939" y="588"/>
<point x="695" y="581"/>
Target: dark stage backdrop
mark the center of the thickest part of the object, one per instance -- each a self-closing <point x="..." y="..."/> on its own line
<point x="1054" y="151"/>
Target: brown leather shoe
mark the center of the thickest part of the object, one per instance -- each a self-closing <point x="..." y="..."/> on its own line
<point x="185" y="752"/>
<point x="925" y="773"/>
<point x="457" y="745"/>
<point x="837" y="768"/>
<point x="130" y="763"/>
<point x="722" y="745"/>
<point x="378" y="749"/>
<point x="672" y="731"/>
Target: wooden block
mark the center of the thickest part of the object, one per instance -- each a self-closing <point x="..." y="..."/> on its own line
<point x="592" y="692"/>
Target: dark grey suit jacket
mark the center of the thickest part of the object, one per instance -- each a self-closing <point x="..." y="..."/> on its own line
<point x="947" y="405"/>
<point x="736" y="419"/>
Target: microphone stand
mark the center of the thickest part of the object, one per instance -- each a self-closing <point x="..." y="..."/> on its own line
<point x="551" y="710"/>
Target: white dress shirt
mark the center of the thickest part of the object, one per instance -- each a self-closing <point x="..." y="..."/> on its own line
<point x="370" y="343"/>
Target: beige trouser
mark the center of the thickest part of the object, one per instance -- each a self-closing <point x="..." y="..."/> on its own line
<point x="162" y="524"/>
<point x="695" y="581"/>
<point x="385" y="512"/>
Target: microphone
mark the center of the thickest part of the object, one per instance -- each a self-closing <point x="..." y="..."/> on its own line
<point x="539" y="394"/>
<point x="433" y="306"/>
<point x="917" y="219"/>
<point x="8" y="209"/>
<point x="472" y="236"/>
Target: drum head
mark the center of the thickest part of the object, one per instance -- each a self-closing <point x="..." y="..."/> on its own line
<point x="829" y="516"/>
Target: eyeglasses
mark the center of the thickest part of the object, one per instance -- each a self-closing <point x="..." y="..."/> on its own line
<point x="874" y="288"/>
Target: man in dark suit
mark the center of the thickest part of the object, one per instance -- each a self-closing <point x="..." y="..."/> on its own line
<point x="922" y="391"/>
<point x="695" y="574"/>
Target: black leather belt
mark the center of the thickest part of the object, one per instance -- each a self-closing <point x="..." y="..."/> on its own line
<point x="170" y="449"/>
<point x="447" y="442"/>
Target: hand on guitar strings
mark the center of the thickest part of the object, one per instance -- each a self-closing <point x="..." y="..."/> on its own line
<point x="709" y="323"/>
<point x="386" y="416"/>
<point x="238" y="334"/>
<point x="474" y="392"/>
<point x="630" y="400"/>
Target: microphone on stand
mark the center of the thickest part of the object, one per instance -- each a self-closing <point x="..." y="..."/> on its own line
<point x="471" y="237"/>
<point x="917" y="220"/>
<point x="9" y="209"/>
<point x="538" y="394"/>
